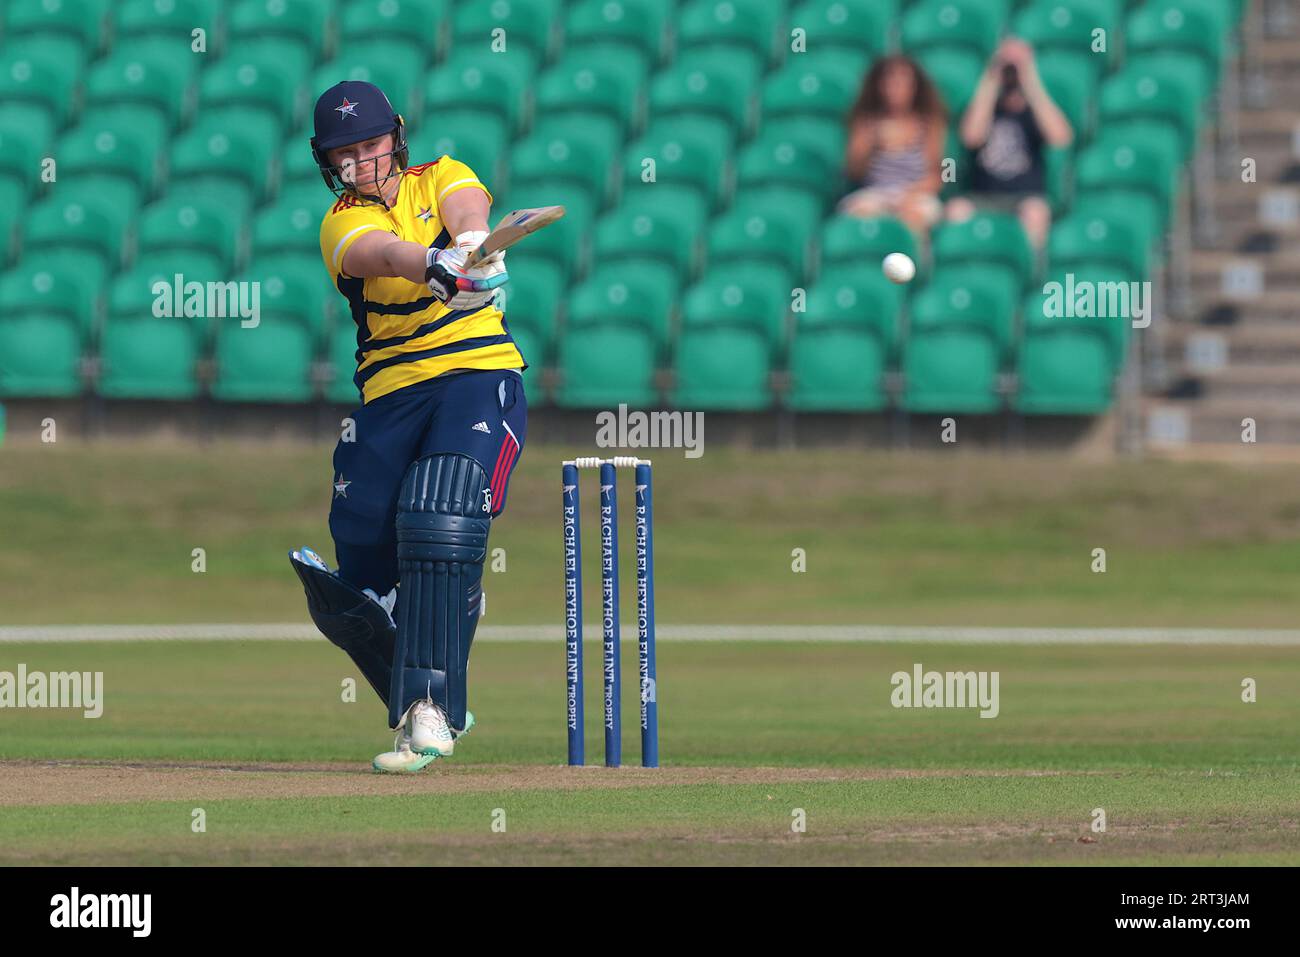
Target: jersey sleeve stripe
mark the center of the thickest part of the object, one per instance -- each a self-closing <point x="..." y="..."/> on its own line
<point x="338" y="266"/>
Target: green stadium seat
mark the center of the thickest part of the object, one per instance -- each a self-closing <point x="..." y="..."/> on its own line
<point x="953" y="353"/>
<point x="300" y="22"/>
<point x="1062" y="31"/>
<point x="55" y="283"/>
<point x="607" y="364"/>
<point x="971" y="26"/>
<point x="996" y="242"/>
<point x="400" y="71"/>
<point x="343" y="364"/>
<point x="618" y="324"/>
<point x="1067" y="365"/>
<point x="28" y="76"/>
<point x="9" y="186"/>
<point x="843" y="342"/>
<point x="656" y="222"/>
<point x="1084" y="240"/>
<point x="1180" y="32"/>
<point x="167" y="18"/>
<point x="490" y="83"/>
<point x="775" y="160"/>
<point x="863" y="243"/>
<point x="685" y="90"/>
<point x="392" y="22"/>
<point x="806" y="90"/>
<point x="569" y="155"/>
<point x="594" y="80"/>
<point x="1073" y="89"/>
<point x="733" y="327"/>
<point x="640" y="25"/>
<point x="146" y="357"/>
<point x="566" y="241"/>
<point x="822" y="136"/>
<point x="290" y="225"/>
<point x="1059" y="169"/>
<point x="1136" y="211"/>
<point x="745" y="296"/>
<point x="26" y="134"/>
<point x="40" y="351"/>
<point x="739" y="66"/>
<point x="530" y="23"/>
<point x="531" y="301"/>
<point x="257" y="78"/>
<point x="535" y="357"/>
<point x="688" y="152"/>
<point x="266" y="362"/>
<point x="144" y="72"/>
<point x="758" y="230"/>
<point x="956" y="74"/>
<point x="226" y="155"/>
<point x="1117" y="326"/>
<point x="123" y="141"/>
<point x="861" y="26"/>
<point x="1151" y="96"/>
<point x="81" y="20"/>
<point x="475" y="138"/>
<point x="203" y="223"/>
<point x="640" y="294"/>
<point x="297" y="165"/>
<point x="295" y="285"/>
<point x="755" y="25"/>
<point x="501" y="82"/>
<point x="1124" y="167"/>
<point x="79" y="219"/>
<point x="1224" y="16"/>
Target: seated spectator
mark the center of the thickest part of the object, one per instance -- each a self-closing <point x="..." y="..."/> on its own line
<point x="895" y="144"/>
<point x="1006" y="126"/>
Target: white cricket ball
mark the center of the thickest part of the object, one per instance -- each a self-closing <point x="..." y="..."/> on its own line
<point x="898" y="267"/>
<point x="348" y="171"/>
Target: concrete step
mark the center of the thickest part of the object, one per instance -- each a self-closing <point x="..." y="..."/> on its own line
<point x="1253" y="382"/>
<point x="1272" y="272"/>
<point x="1219" y="421"/>
<point x="1271" y="308"/>
<point x="1263" y="341"/>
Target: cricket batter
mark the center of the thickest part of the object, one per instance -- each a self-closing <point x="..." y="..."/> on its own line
<point x="423" y="469"/>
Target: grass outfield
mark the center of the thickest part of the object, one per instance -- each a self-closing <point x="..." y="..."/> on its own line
<point x="256" y="735"/>
<point x="960" y="539"/>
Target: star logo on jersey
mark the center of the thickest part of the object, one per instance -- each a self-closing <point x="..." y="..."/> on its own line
<point x="341" y="487"/>
<point x="425" y="214"/>
<point x="347" y="109"/>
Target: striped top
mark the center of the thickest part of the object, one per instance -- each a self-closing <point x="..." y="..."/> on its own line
<point x="897" y="168"/>
<point x="404" y="335"/>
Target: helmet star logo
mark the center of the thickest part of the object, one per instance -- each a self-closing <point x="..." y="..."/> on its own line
<point x="347" y="109"/>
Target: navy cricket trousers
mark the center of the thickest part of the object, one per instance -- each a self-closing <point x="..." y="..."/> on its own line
<point x="482" y="414"/>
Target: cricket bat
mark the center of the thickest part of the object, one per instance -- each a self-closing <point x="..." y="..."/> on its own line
<point x="513" y="227"/>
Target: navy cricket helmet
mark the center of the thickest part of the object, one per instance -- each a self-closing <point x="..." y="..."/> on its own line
<point x="351" y="112"/>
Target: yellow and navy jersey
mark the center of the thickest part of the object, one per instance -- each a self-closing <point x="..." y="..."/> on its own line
<point x="404" y="335"/>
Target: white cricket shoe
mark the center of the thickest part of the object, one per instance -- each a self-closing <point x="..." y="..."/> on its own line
<point x="402" y="759"/>
<point x="430" y="732"/>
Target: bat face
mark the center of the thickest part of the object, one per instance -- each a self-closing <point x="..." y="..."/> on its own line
<point x="513" y="227"/>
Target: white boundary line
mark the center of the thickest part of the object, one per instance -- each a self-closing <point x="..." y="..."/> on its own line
<point x="760" y="633"/>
